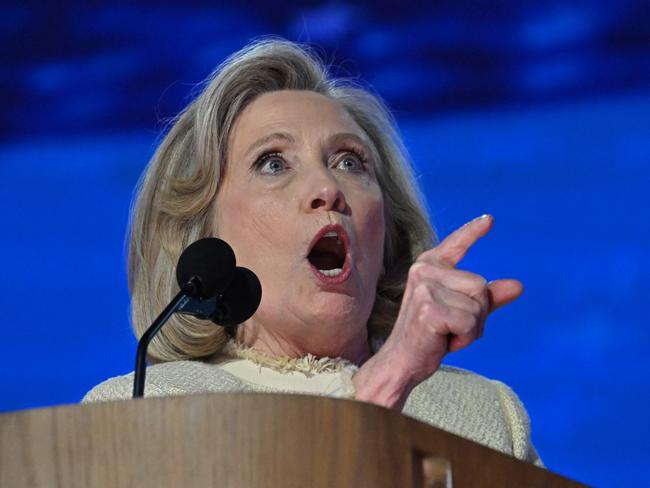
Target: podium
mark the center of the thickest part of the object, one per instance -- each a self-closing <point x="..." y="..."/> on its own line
<point x="246" y="440"/>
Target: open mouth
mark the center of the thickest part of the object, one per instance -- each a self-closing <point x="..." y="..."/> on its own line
<point x="328" y="253"/>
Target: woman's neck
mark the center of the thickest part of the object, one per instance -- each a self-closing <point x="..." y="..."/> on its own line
<point x="259" y="338"/>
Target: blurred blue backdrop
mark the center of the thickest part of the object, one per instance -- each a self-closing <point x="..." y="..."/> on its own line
<point x="536" y="113"/>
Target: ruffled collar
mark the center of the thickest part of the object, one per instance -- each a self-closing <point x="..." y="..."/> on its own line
<point x="308" y="365"/>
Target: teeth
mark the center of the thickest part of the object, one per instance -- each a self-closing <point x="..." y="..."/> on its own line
<point x="333" y="233"/>
<point x="331" y="272"/>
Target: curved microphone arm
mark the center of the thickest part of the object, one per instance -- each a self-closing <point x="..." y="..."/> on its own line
<point x="212" y="288"/>
<point x="182" y="297"/>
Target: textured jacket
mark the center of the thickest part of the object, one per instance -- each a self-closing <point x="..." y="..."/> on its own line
<point x="452" y="399"/>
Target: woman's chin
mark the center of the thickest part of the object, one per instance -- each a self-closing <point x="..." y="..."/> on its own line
<point x="335" y="307"/>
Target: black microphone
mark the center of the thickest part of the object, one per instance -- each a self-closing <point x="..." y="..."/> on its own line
<point x="235" y="305"/>
<point x="205" y="270"/>
<point x="209" y="264"/>
<point x="240" y="300"/>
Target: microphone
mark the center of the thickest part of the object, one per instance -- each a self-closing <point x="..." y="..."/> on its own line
<point x="235" y="305"/>
<point x="240" y="300"/>
<point x="211" y="287"/>
<point x="209" y="264"/>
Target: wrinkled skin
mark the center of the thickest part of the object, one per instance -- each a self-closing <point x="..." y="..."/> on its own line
<point x="312" y="176"/>
<point x="270" y="213"/>
<point x="443" y="310"/>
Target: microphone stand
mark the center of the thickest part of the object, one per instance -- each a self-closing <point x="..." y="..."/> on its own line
<point x="189" y="289"/>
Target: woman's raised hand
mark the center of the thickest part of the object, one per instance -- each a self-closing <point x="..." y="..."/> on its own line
<point x="443" y="310"/>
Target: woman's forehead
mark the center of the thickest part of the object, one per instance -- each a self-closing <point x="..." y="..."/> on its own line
<point x="291" y="115"/>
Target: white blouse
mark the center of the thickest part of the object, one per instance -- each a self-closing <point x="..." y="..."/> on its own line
<point x="308" y="374"/>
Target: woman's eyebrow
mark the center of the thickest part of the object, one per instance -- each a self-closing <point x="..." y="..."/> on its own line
<point x="281" y="136"/>
<point x="346" y="136"/>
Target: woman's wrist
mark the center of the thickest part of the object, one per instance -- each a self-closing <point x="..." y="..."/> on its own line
<point x="383" y="380"/>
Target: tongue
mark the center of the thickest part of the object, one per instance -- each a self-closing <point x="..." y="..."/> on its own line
<point x="324" y="260"/>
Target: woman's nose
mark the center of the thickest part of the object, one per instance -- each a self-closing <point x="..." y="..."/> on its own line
<point x="324" y="193"/>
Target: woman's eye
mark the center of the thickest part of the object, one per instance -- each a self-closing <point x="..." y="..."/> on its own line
<point x="351" y="162"/>
<point x="270" y="164"/>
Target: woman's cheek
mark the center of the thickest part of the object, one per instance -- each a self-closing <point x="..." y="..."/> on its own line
<point x="252" y="227"/>
<point x="371" y="234"/>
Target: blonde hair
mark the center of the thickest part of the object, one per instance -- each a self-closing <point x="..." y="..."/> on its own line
<point x="176" y="194"/>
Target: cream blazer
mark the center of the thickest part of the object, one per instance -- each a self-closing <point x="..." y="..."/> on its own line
<point x="458" y="401"/>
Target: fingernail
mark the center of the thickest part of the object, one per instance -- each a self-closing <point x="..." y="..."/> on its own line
<point x="476" y="219"/>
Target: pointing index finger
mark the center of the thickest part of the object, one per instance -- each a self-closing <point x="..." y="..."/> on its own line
<point x="455" y="246"/>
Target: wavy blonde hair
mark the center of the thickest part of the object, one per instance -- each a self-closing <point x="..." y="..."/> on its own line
<point x="176" y="193"/>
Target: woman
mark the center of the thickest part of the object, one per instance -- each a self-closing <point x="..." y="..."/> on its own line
<point x="306" y="178"/>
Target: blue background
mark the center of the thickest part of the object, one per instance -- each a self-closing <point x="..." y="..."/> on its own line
<point x="535" y="112"/>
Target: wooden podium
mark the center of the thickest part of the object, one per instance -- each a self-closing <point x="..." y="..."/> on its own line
<point x="246" y="440"/>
